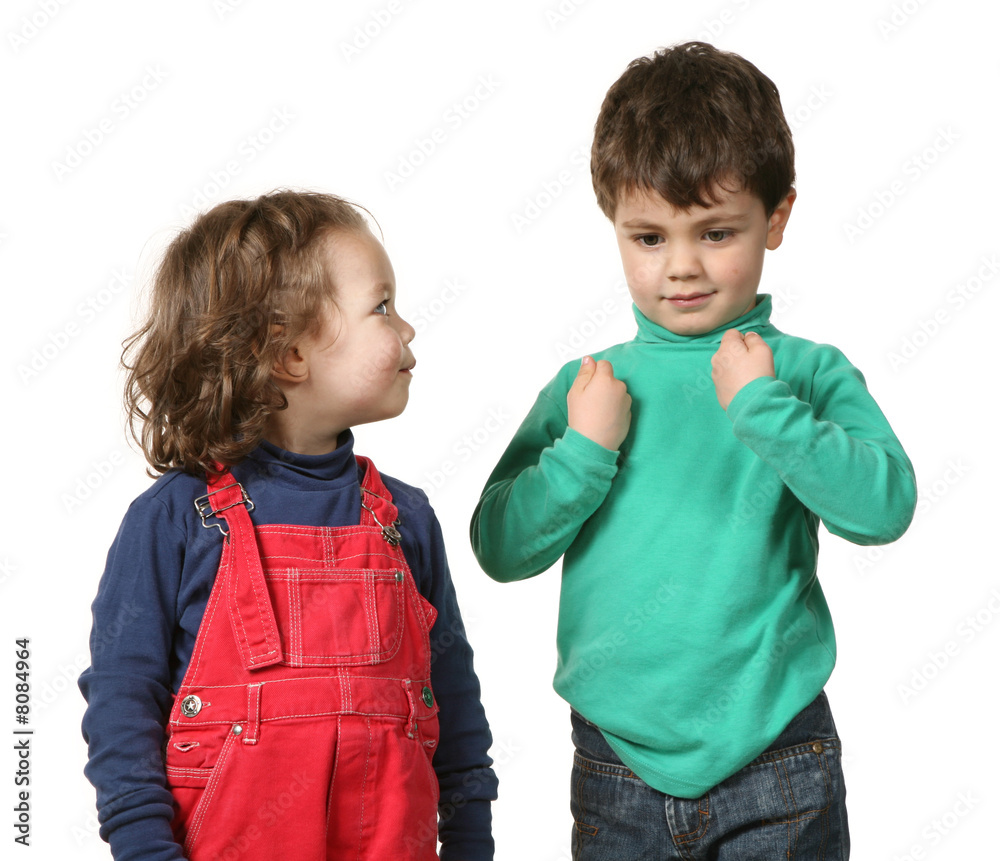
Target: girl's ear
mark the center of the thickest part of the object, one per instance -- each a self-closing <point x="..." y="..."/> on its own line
<point x="290" y="367"/>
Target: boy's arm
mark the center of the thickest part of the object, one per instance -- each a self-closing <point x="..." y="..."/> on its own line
<point x="127" y="686"/>
<point x="552" y="476"/>
<point x="836" y="452"/>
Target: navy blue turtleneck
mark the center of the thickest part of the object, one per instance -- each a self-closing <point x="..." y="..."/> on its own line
<point x="149" y="606"/>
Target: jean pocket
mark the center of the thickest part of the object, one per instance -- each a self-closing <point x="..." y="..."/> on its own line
<point x="794" y="797"/>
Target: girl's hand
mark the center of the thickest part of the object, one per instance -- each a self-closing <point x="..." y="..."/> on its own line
<point x="600" y="406"/>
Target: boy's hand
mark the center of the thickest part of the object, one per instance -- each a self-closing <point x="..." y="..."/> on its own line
<point x="739" y="359"/>
<point x="600" y="406"/>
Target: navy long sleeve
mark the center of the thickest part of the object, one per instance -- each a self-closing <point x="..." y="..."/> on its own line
<point x="159" y="574"/>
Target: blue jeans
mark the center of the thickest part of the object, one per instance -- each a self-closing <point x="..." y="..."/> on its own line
<point x="789" y="803"/>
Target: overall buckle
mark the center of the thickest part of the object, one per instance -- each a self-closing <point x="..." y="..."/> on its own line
<point x="203" y="506"/>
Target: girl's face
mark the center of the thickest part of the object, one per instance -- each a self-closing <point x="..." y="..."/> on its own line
<point x="356" y="369"/>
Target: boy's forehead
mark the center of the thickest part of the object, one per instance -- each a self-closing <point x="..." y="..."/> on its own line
<point x="640" y="206"/>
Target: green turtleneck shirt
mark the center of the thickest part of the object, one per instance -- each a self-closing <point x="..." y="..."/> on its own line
<point x="692" y="627"/>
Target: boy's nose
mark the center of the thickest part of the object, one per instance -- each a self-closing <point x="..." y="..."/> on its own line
<point x="682" y="265"/>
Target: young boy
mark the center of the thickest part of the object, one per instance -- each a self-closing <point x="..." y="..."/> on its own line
<point x="683" y="475"/>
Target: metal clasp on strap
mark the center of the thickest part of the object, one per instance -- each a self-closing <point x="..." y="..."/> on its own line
<point x="204" y="508"/>
<point x="390" y="533"/>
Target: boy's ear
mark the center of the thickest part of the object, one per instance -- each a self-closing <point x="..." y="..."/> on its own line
<point x="779" y="218"/>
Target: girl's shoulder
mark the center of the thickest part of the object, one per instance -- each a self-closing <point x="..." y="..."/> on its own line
<point x="169" y="499"/>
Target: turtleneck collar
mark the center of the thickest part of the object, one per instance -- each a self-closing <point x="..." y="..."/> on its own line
<point x="307" y="468"/>
<point x="755" y="319"/>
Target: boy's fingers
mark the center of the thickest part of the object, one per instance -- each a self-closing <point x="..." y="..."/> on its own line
<point x="586" y="370"/>
<point x="604" y="367"/>
<point x="732" y="339"/>
<point x="754" y="341"/>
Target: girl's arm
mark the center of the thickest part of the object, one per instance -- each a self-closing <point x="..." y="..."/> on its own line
<point x="127" y="686"/>
<point x="461" y="761"/>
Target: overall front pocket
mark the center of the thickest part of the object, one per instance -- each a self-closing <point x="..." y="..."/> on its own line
<point x="343" y="617"/>
<point x="196" y="760"/>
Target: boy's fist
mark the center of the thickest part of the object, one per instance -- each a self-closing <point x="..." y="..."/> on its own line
<point x="600" y="406"/>
<point x="739" y="359"/>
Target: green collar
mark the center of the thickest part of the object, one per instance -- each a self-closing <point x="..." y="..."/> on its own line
<point x="756" y="318"/>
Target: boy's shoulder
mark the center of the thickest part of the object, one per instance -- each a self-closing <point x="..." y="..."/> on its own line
<point x="795" y="354"/>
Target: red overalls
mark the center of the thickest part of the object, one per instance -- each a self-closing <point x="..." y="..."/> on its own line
<point x="305" y="725"/>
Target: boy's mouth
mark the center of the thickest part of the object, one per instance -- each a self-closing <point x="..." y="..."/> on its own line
<point x="689" y="300"/>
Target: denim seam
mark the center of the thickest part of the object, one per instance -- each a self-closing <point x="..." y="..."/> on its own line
<point x="832" y="743"/>
<point x="578" y="823"/>
<point x="605" y="767"/>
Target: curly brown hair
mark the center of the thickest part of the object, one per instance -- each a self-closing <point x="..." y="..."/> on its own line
<point x="233" y="293"/>
<point x="687" y="120"/>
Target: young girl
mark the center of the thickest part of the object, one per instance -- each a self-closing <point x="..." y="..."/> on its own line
<point x="279" y="667"/>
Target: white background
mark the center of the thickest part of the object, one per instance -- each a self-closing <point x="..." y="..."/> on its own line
<point x="122" y="118"/>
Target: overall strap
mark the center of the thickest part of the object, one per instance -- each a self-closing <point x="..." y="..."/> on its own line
<point x="246" y="597"/>
<point x="377" y="508"/>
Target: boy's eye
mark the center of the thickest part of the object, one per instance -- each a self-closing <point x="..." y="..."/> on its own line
<point x="649" y="240"/>
<point x="717" y="235"/>
<point x="382" y="309"/>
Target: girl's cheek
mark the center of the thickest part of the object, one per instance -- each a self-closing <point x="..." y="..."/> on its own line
<point x="383" y="361"/>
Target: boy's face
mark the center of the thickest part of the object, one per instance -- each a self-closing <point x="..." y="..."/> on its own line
<point x="692" y="271"/>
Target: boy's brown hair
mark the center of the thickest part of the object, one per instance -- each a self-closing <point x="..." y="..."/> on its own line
<point x="686" y="120"/>
<point x="233" y="293"/>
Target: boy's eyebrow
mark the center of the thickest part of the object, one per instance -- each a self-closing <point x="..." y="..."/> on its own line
<point x="712" y="218"/>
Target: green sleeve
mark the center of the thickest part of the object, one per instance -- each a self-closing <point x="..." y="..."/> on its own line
<point x="548" y="482"/>
<point x="835" y="451"/>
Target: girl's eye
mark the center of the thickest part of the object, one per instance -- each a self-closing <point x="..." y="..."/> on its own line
<point x="382" y="309"/>
<point x="649" y="240"/>
<point x="717" y="235"/>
